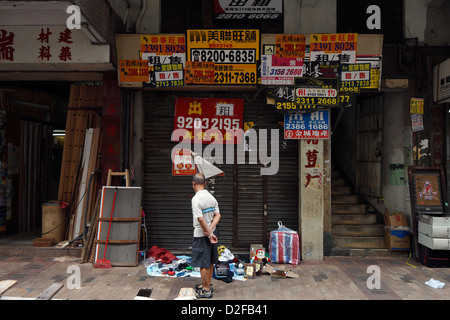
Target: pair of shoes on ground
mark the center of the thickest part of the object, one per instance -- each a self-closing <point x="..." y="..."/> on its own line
<point x="200" y="293"/>
<point x="199" y="287"/>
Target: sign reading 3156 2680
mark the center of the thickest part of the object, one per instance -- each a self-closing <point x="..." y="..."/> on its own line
<point x="235" y="53"/>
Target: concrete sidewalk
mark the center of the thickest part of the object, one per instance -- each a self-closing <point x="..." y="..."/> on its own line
<point x="335" y="278"/>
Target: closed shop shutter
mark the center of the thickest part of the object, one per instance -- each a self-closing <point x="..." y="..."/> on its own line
<point x="167" y="199"/>
<point x="282" y="189"/>
<point x="250" y="205"/>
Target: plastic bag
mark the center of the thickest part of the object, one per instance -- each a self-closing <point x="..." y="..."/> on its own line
<point x="436" y="284"/>
<point x="284" y="245"/>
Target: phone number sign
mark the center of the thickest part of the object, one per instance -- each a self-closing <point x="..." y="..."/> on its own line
<point x="208" y="120"/>
<point x="182" y="163"/>
<point x="280" y="71"/>
<point x="317" y="91"/>
<point x="235" y="53"/>
<point x="313" y="125"/>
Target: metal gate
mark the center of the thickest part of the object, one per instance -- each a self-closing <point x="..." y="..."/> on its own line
<point x="250" y="204"/>
<point x="369" y="144"/>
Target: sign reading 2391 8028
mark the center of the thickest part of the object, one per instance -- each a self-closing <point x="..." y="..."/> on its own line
<point x="235" y="53"/>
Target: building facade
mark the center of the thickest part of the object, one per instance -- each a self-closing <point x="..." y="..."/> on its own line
<point x="147" y="55"/>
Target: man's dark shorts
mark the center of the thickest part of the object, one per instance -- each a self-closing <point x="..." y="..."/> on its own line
<point x="204" y="253"/>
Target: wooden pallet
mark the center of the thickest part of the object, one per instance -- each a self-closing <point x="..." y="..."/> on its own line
<point x="84" y="102"/>
<point x="80" y="158"/>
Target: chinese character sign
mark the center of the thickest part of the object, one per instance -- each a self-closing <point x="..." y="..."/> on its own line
<point x="206" y="120"/>
<point x="313" y="125"/>
<point x="316" y="91"/>
<point x="290" y="46"/>
<point x="6" y="45"/>
<point x="183" y="163"/>
<point x="235" y="53"/>
<point x="166" y="56"/>
<point x="354" y="76"/>
<point x="340" y="47"/>
<point x="48" y="44"/>
<point x="133" y="70"/>
<point x="312" y="175"/>
<point x="199" y="72"/>
<point x="57" y="44"/>
<point x="280" y="71"/>
<point x="416" y="105"/>
<point x="248" y="9"/>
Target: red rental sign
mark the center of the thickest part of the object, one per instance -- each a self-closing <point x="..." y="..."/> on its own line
<point x="206" y="120"/>
<point x="182" y="163"/>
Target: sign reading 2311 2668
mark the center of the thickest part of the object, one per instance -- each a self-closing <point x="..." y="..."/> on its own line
<point x="235" y="53"/>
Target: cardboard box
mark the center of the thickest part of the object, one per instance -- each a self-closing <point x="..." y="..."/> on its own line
<point x="397" y="239"/>
<point x="397" y="219"/>
<point x="434" y="243"/>
<point x="396" y="231"/>
<point x="279" y="272"/>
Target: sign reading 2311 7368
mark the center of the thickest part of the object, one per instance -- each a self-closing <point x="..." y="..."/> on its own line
<point x="235" y="53"/>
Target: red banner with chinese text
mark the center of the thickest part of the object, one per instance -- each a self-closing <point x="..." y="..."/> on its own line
<point x="206" y="120"/>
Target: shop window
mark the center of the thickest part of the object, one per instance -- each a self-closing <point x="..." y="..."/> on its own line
<point x="179" y="15"/>
<point x="352" y="16"/>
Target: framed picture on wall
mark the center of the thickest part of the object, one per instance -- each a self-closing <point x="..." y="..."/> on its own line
<point x="428" y="193"/>
<point x="427" y="189"/>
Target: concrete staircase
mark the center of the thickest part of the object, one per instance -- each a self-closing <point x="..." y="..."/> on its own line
<point x="354" y="231"/>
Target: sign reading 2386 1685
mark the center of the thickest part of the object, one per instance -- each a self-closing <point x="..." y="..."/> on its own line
<point x="235" y="53"/>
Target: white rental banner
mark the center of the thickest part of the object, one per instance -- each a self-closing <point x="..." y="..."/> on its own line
<point x="441" y="82"/>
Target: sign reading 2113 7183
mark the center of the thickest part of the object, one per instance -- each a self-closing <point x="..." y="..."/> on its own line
<point x="313" y="125"/>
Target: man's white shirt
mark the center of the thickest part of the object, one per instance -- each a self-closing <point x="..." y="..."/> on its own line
<point x="203" y="205"/>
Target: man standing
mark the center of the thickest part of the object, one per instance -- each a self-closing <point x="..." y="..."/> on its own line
<point x="206" y="216"/>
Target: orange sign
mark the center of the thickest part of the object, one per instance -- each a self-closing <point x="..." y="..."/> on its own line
<point x="199" y="72"/>
<point x="166" y="44"/>
<point x="133" y="71"/>
<point x="290" y="46"/>
<point x="334" y="42"/>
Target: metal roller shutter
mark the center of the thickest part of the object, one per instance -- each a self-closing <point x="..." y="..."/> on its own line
<point x="241" y="193"/>
<point x="282" y="190"/>
<point x="277" y="193"/>
<point x="250" y="205"/>
<point x="167" y="199"/>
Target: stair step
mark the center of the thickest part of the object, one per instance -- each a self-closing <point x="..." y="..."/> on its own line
<point x="368" y="252"/>
<point x="358" y="242"/>
<point x="353" y="219"/>
<point x="348" y="208"/>
<point x="358" y="230"/>
<point x="340" y="189"/>
<point x="344" y="199"/>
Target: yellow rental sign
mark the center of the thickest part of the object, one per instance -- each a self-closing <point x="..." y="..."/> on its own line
<point x="235" y="53"/>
